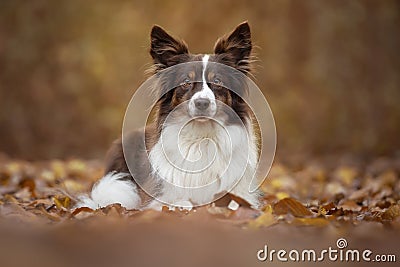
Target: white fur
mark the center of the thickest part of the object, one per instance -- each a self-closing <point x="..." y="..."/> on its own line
<point x="109" y="190"/>
<point x="229" y="157"/>
<point x="206" y="92"/>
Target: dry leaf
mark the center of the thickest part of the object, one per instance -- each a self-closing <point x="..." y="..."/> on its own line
<point x="30" y="184"/>
<point x="391" y="213"/>
<point x="327" y="209"/>
<point x="73" y="186"/>
<point x="81" y="213"/>
<point x="346" y="175"/>
<point x="282" y="195"/>
<point x="290" y="205"/>
<point x="264" y="220"/>
<point x="349" y="205"/>
<point x="62" y="202"/>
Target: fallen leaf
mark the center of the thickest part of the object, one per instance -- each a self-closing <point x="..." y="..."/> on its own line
<point x="391" y="213"/>
<point x="62" y="202"/>
<point x="24" y="194"/>
<point x="73" y="186"/>
<point x="58" y="169"/>
<point x="349" y="205"/>
<point x="327" y="209"/>
<point x="282" y="195"/>
<point x="53" y="217"/>
<point x="264" y="220"/>
<point x="76" y="168"/>
<point x="334" y="188"/>
<point x="359" y="194"/>
<point x="47" y="176"/>
<point x="30" y="184"/>
<point x="346" y="175"/>
<point x="81" y="213"/>
<point x="290" y="205"/>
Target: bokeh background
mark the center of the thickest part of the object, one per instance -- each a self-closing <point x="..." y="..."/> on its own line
<point x="329" y="69"/>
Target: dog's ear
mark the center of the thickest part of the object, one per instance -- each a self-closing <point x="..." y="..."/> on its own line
<point x="165" y="49"/>
<point x="235" y="48"/>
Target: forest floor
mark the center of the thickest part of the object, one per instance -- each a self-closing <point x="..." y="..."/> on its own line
<point x="308" y="204"/>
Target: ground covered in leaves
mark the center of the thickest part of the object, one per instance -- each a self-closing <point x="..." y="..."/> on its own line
<point x="309" y="201"/>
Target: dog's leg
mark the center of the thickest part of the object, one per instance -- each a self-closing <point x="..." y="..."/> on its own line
<point x="242" y="190"/>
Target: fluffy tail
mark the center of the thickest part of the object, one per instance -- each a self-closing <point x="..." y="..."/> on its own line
<point x="113" y="188"/>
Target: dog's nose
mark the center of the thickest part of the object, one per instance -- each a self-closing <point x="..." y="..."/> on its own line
<point x="202" y="103"/>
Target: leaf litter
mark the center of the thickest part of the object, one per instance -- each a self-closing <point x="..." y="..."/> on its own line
<point x="316" y="194"/>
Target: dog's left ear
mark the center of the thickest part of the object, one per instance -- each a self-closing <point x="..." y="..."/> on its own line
<point x="165" y="49"/>
<point x="235" y="48"/>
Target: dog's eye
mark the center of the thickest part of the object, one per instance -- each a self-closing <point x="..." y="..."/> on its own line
<point x="187" y="83"/>
<point x="217" y="81"/>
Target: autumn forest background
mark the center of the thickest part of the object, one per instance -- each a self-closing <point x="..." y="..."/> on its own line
<point x="329" y="69"/>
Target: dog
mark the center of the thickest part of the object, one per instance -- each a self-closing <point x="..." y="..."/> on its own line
<point x="198" y="118"/>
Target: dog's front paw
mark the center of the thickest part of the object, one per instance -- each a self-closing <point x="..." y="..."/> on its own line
<point x="184" y="205"/>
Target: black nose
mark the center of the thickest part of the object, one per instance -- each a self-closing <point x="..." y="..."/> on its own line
<point x="202" y="103"/>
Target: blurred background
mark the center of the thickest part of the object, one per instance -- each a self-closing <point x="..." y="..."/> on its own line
<point x="329" y="69"/>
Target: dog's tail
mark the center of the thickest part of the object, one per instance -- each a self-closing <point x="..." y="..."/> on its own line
<point x="114" y="187"/>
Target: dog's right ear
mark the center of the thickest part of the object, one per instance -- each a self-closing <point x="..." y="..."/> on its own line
<point x="165" y="49"/>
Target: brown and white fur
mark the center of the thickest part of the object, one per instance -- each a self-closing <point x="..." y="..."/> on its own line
<point x="201" y="98"/>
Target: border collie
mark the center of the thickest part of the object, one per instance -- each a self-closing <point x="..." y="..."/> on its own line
<point x="192" y="119"/>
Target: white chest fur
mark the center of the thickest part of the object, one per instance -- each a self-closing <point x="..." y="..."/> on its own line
<point x="201" y="155"/>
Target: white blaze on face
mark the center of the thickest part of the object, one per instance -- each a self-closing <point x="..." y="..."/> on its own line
<point x="205" y="92"/>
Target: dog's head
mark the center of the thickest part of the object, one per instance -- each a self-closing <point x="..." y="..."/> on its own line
<point x="201" y="89"/>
